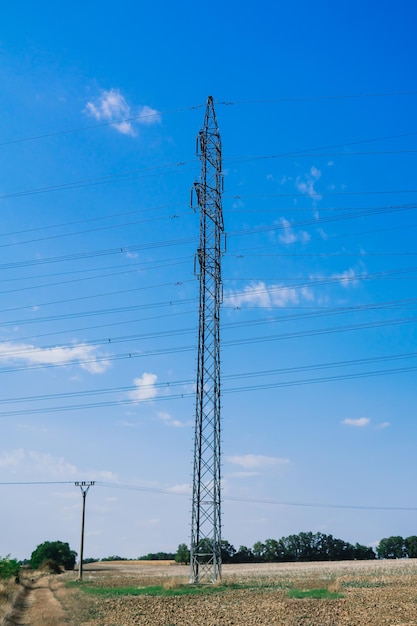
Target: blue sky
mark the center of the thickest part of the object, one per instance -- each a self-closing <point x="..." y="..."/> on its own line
<point x="100" y="106"/>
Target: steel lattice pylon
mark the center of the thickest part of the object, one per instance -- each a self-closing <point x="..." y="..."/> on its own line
<point x="205" y="559"/>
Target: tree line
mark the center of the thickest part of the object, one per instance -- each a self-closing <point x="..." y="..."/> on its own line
<point x="397" y="547"/>
<point x="307" y="546"/>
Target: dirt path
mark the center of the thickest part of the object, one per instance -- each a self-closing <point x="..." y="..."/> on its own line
<point x="38" y="604"/>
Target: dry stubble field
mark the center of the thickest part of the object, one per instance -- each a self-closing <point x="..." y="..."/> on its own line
<point x="375" y="593"/>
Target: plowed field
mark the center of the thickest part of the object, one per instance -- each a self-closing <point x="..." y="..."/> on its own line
<point x="381" y="593"/>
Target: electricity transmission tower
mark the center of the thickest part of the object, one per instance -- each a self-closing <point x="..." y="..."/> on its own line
<point x="205" y="557"/>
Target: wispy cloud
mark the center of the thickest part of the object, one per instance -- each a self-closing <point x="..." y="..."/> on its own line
<point x="51" y="465"/>
<point x="348" y="278"/>
<point x="168" y="420"/>
<point x="256" y="461"/>
<point x="148" y="116"/>
<point x="242" y="474"/>
<point x="86" y="356"/>
<point x="305" y="184"/>
<point x="48" y="466"/>
<point x="12" y="460"/>
<point x="182" y="489"/>
<point x="111" y="106"/>
<point x="290" y="235"/>
<point x="383" y="425"/>
<point x="263" y="295"/>
<point x="359" y="422"/>
<point x="322" y="233"/>
<point x="145" y="387"/>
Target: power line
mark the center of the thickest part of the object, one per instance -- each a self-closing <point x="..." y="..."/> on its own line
<point x="32" y="351"/>
<point x="137" y="265"/>
<point x="319" y="97"/>
<point x="314" y="311"/>
<point x="135" y="269"/>
<point x="170" y="492"/>
<point x="198" y="106"/>
<point x="92" y="182"/>
<point x="287" y="155"/>
<point x="95" y="230"/>
<point x="187" y="395"/>
<point x="90" y="219"/>
<point x="185" y="241"/>
<point x="254" y="292"/>
<point x="356" y="213"/>
<point x="167" y="385"/>
<point x="94" y="313"/>
<point x="100" y="125"/>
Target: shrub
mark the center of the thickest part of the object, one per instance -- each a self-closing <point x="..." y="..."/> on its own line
<point x="9" y="568"/>
<point x="57" y="551"/>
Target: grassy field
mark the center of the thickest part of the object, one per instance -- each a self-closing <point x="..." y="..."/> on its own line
<point x="127" y="593"/>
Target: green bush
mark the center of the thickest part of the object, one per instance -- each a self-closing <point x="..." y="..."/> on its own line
<point x="9" y="568"/>
<point x="57" y="551"/>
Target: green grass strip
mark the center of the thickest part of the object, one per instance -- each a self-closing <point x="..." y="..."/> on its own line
<point x="158" y="590"/>
<point x="316" y="594"/>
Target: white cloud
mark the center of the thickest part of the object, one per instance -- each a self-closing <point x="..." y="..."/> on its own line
<point x="289" y="235"/>
<point x="242" y="474"/>
<point x="48" y="466"/>
<point x="53" y="466"/>
<point x="181" y="489"/>
<point x="12" y="460"/>
<point x="167" y="419"/>
<point x="359" y="422"/>
<point x="105" y="475"/>
<point x="322" y="233"/>
<point x="383" y="425"/>
<point x="86" y="356"/>
<point x="145" y="387"/>
<point x="149" y="116"/>
<point x="348" y="278"/>
<point x="111" y="106"/>
<point x="42" y="464"/>
<point x="259" y="294"/>
<point x="305" y="184"/>
<point x="256" y="461"/>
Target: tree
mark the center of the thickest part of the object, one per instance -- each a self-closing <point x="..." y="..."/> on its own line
<point x="157" y="556"/>
<point x="227" y="551"/>
<point x="258" y="551"/>
<point x="391" y="548"/>
<point x="57" y="551"/>
<point x="183" y="554"/>
<point x="411" y="546"/>
<point x="363" y="553"/>
<point x="271" y="550"/>
<point x="243" y="555"/>
<point x="9" y="568"/>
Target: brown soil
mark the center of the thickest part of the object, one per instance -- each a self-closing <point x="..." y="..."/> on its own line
<point x="374" y="594"/>
<point x="36" y="604"/>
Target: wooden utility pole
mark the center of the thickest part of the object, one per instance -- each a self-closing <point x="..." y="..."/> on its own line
<point x="84" y="486"/>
